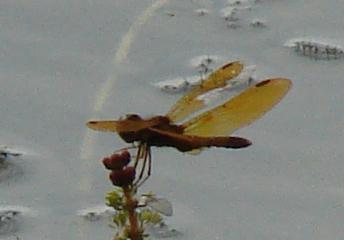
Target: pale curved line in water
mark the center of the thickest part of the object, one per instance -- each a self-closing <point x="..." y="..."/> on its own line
<point x="86" y="148"/>
<point x="121" y="55"/>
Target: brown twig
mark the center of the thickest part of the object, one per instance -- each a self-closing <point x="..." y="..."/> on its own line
<point x="135" y="232"/>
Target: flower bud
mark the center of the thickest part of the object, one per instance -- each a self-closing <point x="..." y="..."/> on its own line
<point x="121" y="178"/>
<point x="117" y="161"/>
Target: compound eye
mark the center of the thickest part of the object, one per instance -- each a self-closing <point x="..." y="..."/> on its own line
<point x="133" y="117"/>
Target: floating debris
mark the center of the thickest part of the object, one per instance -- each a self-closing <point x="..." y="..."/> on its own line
<point x="172" y="86"/>
<point x="6" y="152"/>
<point x="8" y="223"/>
<point x="315" y="48"/>
<point x="170" y="14"/>
<point x="201" y="59"/>
<point x="25" y="211"/>
<point x="203" y="63"/>
<point x="230" y="14"/>
<point x="96" y="213"/>
<point x="237" y="2"/>
<point x="234" y="15"/>
<point x="180" y="84"/>
<point x="8" y="169"/>
<point x="202" y="12"/>
<point x="258" y="23"/>
<point x="9" y="218"/>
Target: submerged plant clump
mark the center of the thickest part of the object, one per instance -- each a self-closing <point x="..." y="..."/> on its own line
<point x="203" y="64"/>
<point x="178" y="85"/>
<point x="258" y="23"/>
<point x="6" y="152"/>
<point x="8" y="221"/>
<point x="175" y="85"/>
<point x="11" y="218"/>
<point x="316" y="49"/>
<point x="235" y="13"/>
<point x="231" y="17"/>
<point x="9" y="169"/>
<point x="202" y="12"/>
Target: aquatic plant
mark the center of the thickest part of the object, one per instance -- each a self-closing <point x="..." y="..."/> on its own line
<point x="133" y="214"/>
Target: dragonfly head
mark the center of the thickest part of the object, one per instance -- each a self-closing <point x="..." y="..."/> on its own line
<point x="133" y="117"/>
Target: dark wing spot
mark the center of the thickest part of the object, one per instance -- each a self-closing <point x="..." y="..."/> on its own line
<point x="227" y="65"/>
<point x="262" y="83"/>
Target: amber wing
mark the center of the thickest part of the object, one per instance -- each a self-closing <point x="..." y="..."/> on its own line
<point x="190" y="103"/>
<point x="103" y="125"/>
<point x="123" y="125"/>
<point x="239" y="111"/>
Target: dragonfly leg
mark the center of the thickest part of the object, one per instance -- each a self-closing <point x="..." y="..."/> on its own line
<point x="149" y="162"/>
<point x="143" y="167"/>
<point x="138" y="155"/>
<point x="149" y="159"/>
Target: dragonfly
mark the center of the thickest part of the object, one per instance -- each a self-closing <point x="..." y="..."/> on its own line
<point x="6" y="152"/>
<point x="211" y="128"/>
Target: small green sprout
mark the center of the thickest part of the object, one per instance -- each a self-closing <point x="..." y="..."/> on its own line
<point x="149" y="217"/>
<point x="115" y="199"/>
<point x="133" y="214"/>
<point x="120" y="219"/>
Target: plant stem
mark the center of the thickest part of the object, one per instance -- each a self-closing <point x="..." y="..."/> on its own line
<point x="131" y="205"/>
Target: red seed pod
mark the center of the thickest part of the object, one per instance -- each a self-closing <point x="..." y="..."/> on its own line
<point x="117" y="161"/>
<point x="121" y="178"/>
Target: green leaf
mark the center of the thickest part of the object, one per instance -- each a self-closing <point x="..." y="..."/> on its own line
<point x="149" y="216"/>
<point x="115" y="199"/>
<point x="120" y="219"/>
